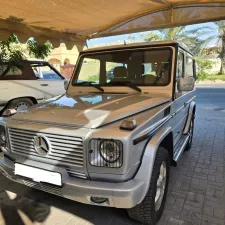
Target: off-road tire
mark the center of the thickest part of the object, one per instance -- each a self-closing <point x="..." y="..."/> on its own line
<point x="14" y="103"/>
<point x="145" y="212"/>
<point x="191" y="131"/>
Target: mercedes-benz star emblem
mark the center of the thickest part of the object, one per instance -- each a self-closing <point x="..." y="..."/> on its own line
<point x="41" y="145"/>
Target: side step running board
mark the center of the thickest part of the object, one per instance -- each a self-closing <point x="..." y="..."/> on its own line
<point x="180" y="147"/>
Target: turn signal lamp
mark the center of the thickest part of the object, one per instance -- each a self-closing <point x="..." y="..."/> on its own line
<point x="9" y="112"/>
<point x="128" y="124"/>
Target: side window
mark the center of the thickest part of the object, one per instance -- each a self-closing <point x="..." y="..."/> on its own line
<point x="45" y="72"/>
<point x="15" y="71"/>
<point x="189" y="67"/>
<point x="180" y="65"/>
<point x="179" y="71"/>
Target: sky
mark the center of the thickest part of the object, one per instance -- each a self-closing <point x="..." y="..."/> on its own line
<point x="108" y="40"/>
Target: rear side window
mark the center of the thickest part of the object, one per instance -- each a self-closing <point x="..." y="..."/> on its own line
<point x="189" y="67"/>
<point x="180" y="65"/>
<point x="15" y="71"/>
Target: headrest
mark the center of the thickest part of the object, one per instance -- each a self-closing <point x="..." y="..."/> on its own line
<point x="120" y="72"/>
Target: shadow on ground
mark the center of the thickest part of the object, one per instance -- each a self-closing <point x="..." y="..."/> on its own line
<point x="39" y="206"/>
<point x="35" y="211"/>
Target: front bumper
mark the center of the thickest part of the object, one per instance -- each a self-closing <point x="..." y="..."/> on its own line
<point x="118" y="195"/>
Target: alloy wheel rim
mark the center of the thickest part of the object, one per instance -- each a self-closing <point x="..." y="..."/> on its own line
<point x="161" y="185"/>
<point x="22" y="106"/>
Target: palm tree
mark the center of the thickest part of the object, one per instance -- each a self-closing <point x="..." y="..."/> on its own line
<point x="192" y="38"/>
<point x="217" y="35"/>
<point x="188" y="37"/>
<point x="220" y="37"/>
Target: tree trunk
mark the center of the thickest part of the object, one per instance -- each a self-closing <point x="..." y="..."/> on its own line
<point x="222" y="68"/>
<point x="222" y="56"/>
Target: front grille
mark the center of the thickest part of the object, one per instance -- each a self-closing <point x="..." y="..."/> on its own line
<point x="64" y="149"/>
<point x="44" y="187"/>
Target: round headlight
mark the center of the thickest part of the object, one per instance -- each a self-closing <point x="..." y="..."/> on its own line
<point x="110" y="151"/>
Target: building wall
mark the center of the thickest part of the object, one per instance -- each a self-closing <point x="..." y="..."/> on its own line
<point x="64" y="60"/>
<point x="212" y="54"/>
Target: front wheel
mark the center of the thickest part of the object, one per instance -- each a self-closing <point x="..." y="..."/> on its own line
<point x="150" y="209"/>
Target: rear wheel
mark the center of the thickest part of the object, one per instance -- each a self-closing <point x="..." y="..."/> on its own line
<point x="150" y="209"/>
<point x="20" y="104"/>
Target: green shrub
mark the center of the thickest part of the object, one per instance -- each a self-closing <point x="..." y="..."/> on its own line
<point x="94" y="78"/>
<point x="202" y="75"/>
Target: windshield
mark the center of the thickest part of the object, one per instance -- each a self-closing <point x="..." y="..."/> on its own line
<point x="138" y="67"/>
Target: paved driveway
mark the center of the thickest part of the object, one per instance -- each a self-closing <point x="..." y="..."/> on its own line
<point x="196" y="188"/>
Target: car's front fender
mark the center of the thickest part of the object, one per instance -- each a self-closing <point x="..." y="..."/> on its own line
<point x="148" y="158"/>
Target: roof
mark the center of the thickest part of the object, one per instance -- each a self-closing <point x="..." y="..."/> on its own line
<point x="136" y="45"/>
<point x="36" y="61"/>
<point x="73" y="21"/>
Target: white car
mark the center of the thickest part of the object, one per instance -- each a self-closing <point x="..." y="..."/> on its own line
<point x="28" y="84"/>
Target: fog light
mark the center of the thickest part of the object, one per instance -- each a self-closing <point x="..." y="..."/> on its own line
<point x="98" y="200"/>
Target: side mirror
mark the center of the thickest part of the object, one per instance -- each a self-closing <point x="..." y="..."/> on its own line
<point x="186" y="84"/>
<point x="66" y="84"/>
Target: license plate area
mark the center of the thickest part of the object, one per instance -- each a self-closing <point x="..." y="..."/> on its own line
<point x="38" y="175"/>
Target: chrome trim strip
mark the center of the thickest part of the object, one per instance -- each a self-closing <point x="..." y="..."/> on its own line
<point x="152" y="132"/>
<point x="185" y="104"/>
<point x="182" y="149"/>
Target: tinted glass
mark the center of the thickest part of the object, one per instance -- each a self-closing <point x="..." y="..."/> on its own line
<point x="189" y="67"/>
<point x="180" y="65"/>
<point x="15" y="71"/>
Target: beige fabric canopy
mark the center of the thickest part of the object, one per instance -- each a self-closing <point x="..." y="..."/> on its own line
<point x="74" y="21"/>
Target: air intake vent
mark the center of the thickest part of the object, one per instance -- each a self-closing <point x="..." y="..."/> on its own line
<point x="44" y="187"/>
<point x="73" y="173"/>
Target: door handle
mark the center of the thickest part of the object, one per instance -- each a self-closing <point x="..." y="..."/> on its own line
<point x="44" y="84"/>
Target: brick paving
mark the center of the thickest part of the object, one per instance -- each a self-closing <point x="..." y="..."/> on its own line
<point x="196" y="188"/>
<point x="195" y="197"/>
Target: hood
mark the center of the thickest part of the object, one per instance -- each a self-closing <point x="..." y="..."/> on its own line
<point x="91" y="110"/>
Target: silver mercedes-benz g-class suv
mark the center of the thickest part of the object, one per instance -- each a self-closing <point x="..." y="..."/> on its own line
<point x="109" y="140"/>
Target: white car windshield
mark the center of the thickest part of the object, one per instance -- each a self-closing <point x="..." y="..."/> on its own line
<point x="135" y="67"/>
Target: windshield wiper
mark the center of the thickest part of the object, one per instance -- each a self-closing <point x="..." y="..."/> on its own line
<point x="128" y="84"/>
<point x="89" y="83"/>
